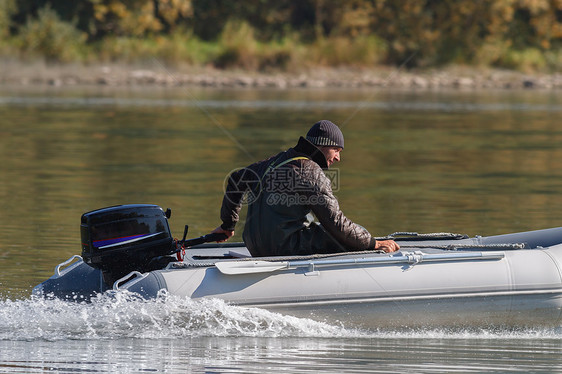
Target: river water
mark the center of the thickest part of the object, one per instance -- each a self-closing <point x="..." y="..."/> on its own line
<point x="474" y="162"/>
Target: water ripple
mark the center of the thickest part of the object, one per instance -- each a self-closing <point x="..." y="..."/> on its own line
<point x="279" y="104"/>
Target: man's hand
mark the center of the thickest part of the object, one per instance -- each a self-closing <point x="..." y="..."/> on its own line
<point x="220" y="230"/>
<point x="387" y="246"/>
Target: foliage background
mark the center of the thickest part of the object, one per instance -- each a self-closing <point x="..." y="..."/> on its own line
<point x="287" y="35"/>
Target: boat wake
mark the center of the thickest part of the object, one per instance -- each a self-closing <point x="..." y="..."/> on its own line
<point x="125" y="315"/>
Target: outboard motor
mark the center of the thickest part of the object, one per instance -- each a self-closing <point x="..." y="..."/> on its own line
<point x="123" y="238"/>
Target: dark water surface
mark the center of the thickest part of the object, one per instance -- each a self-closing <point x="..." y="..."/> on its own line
<point x="471" y="162"/>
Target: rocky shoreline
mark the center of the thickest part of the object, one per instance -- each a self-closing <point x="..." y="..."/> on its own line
<point x="383" y="77"/>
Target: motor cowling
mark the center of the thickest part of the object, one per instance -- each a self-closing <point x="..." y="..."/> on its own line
<point x="123" y="238"/>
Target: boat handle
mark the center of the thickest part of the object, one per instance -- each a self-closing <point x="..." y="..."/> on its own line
<point x="58" y="272"/>
<point x="135" y="275"/>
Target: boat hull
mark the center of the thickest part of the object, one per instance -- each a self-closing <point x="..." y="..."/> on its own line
<point x="512" y="288"/>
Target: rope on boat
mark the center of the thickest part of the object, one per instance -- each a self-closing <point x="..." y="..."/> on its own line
<point x="454" y="247"/>
<point x="405" y="235"/>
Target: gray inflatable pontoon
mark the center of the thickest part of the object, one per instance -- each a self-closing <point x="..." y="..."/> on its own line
<point x="512" y="280"/>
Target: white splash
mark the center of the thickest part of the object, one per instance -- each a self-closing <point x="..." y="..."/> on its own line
<point x="124" y="315"/>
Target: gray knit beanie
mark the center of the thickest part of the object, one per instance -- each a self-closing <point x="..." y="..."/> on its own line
<point x="325" y="133"/>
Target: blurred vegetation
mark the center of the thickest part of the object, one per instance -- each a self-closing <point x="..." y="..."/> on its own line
<point x="287" y="34"/>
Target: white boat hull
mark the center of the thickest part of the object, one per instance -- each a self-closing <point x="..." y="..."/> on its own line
<point x="518" y="287"/>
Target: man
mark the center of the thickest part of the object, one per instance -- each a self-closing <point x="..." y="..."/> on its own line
<point x="283" y="190"/>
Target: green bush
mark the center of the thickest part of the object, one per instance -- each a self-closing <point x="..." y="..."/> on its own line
<point x="528" y="60"/>
<point x="238" y="47"/>
<point x="7" y="9"/>
<point x="491" y="53"/>
<point x="49" y="37"/>
<point x="124" y="49"/>
<point x="341" y="51"/>
<point x="553" y="60"/>
<point x="181" y="47"/>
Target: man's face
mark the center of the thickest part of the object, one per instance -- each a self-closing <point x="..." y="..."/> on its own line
<point x="332" y="154"/>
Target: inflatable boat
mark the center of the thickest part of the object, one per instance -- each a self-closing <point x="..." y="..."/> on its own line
<point x="439" y="279"/>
